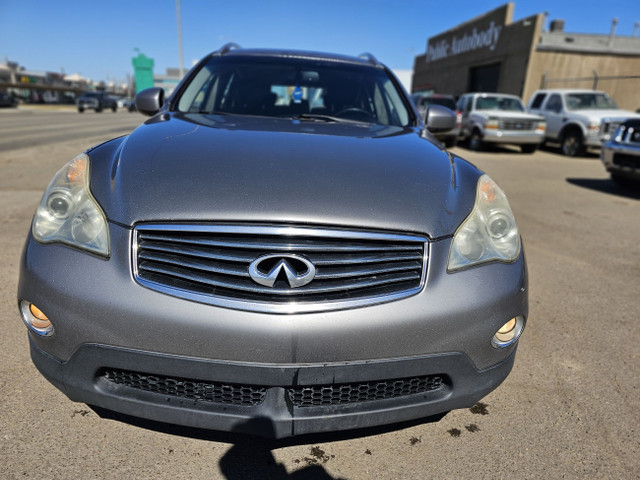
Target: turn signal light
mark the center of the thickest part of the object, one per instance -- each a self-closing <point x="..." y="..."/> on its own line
<point x="35" y="319"/>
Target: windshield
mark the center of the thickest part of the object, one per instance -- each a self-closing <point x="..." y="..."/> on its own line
<point x="498" y="102"/>
<point x="590" y="101"/>
<point x="292" y="87"/>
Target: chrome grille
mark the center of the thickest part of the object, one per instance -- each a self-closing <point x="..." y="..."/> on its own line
<point x="511" y="124"/>
<point x="629" y="134"/>
<point x="210" y="264"/>
<point x="341" y="394"/>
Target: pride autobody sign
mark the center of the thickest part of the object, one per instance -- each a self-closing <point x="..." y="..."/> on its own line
<point x="465" y="42"/>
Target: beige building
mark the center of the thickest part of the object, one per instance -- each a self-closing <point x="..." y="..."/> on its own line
<point x="495" y="54"/>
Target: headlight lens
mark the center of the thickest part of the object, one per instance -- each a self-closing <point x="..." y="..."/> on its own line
<point x="489" y="233"/>
<point x="69" y="214"/>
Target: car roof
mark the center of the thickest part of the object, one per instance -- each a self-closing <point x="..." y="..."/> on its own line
<point x="438" y="95"/>
<point x="486" y="94"/>
<point x="568" y="90"/>
<point x="364" y="59"/>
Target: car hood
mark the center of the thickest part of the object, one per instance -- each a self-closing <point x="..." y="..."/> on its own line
<point x="508" y="114"/>
<point x="197" y="168"/>
<point x="597" y="115"/>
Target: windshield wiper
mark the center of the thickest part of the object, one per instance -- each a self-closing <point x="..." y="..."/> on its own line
<point x="207" y="112"/>
<point x="316" y="117"/>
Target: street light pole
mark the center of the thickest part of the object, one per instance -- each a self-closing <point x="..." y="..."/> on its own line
<point x="179" y="20"/>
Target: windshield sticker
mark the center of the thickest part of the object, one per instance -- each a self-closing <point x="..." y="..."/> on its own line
<point x="297" y="94"/>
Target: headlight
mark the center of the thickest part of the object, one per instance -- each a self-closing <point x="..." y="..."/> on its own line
<point x="491" y="123"/>
<point x="489" y="233"/>
<point x="69" y="214"/>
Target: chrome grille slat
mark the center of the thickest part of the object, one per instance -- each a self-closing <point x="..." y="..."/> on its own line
<point x="278" y="246"/>
<point x="368" y="270"/>
<point x="211" y="254"/>
<point x="210" y="264"/>
<point x="322" y="260"/>
<point x="249" y="286"/>
<point x="191" y="263"/>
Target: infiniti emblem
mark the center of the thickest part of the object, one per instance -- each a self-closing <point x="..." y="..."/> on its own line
<point x="266" y="269"/>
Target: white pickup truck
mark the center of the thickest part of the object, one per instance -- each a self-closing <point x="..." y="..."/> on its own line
<point x="577" y="119"/>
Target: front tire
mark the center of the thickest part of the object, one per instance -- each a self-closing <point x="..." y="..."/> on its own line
<point x="572" y="143"/>
<point x="450" y="142"/>
<point x="475" y="141"/>
<point x="81" y="110"/>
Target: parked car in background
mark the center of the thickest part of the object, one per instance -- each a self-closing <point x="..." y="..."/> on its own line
<point x="621" y="153"/>
<point x="496" y="118"/>
<point x="125" y="102"/>
<point x="281" y="249"/>
<point x="423" y="101"/>
<point x="7" y="101"/>
<point x="97" y="101"/>
<point x="577" y="119"/>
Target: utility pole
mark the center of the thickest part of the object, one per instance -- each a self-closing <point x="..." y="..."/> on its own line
<point x="179" y="20"/>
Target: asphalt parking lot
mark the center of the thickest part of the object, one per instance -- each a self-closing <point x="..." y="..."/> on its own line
<point x="569" y="409"/>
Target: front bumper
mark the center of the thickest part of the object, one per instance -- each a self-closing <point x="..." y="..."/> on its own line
<point x="103" y="319"/>
<point x="513" y="137"/>
<point x="621" y="159"/>
<point x="171" y="397"/>
<point x="88" y="105"/>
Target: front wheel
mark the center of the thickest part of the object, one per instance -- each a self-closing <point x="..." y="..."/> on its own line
<point x="475" y="141"/>
<point x="572" y="144"/>
<point x="114" y="109"/>
<point x="529" y="148"/>
<point x="81" y="110"/>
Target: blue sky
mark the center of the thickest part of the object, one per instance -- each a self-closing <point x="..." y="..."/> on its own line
<point x="97" y="38"/>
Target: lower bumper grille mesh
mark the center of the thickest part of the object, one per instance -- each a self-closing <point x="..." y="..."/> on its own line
<point x="226" y="393"/>
<point x="625" y="160"/>
<point x="323" y="395"/>
<point x="253" y="395"/>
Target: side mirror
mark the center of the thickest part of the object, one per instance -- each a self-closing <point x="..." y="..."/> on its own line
<point x="439" y="119"/>
<point x="150" y="101"/>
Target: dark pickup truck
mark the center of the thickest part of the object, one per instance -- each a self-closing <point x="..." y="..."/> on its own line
<point x="97" y="101"/>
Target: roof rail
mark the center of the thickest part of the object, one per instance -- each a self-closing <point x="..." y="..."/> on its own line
<point x="370" y="58"/>
<point x="226" y="48"/>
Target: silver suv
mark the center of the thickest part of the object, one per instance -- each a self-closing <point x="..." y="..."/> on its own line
<point x="500" y="119"/>
<point x="281" y="250"/>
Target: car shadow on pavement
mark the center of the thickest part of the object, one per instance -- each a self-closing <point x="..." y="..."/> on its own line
<point x="606" y="185"/>
<point x="555" y="149"/>
<point x="251" y="456"/>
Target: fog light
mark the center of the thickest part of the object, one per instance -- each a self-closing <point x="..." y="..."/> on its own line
<point x="508" y="333"/>
<point x="35" y="319"/>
